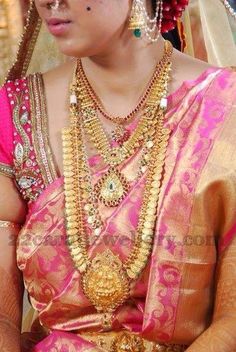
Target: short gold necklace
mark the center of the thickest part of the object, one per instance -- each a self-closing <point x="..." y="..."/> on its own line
<point x="119" y="120"/>
<point x="105" y="279"/>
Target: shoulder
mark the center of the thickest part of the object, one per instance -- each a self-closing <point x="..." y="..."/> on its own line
<point x="14" y="114"/>
<point x="13" y="88"/>
<point x="59" y="76"/>
<point x="219" y="83"/>
<point x="11" y="95"/>
<point x="207" y="96"/>
<point x="14" y="95"/>
<point x="186" y="68"/>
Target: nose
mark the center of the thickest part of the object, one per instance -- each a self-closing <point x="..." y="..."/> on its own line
<point x="54" y="5"/>
<point x="50" y="4"/>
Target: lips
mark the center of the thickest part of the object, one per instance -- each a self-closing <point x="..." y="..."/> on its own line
<point x="57" y="21"/>
<point x="58" y="26"/>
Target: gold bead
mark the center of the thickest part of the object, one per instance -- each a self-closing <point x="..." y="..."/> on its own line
<point x="72" y="232"/>
<point x="149" y="224"/>
<point x="147" y="232"/>
<point x="131" y="274"/>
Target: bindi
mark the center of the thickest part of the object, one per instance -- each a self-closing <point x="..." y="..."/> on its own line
<point x="88" y="8"/>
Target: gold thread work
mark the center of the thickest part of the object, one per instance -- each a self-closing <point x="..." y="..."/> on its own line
<point x="40" y="129"/>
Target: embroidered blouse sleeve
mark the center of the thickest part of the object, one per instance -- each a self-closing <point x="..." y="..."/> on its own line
<point x="6" y="135"/>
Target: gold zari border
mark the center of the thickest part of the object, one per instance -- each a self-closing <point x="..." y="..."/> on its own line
<point x="40" y="136"/>
<point x="26" y="45"/>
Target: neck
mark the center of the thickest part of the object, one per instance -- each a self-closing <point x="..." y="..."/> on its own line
<point x="121" y="73"/>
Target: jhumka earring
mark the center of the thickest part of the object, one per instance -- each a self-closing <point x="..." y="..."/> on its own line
<point x="140" y="21"/>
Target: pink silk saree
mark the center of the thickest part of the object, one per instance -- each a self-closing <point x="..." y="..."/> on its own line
<point x="173" y="301"/>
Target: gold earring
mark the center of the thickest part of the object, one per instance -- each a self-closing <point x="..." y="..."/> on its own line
<point x="141" y="21"/>
<point x="137" y="20"/>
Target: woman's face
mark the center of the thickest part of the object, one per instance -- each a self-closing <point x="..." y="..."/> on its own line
<point x="88" y="26"/>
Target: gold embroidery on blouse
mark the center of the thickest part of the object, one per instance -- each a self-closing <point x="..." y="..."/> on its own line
<point x="25" y="176"/>
<point x="40" y="129"/>
<point x="22" y="150"/>
<point x="26" y="173"/>
<point x="6" y="170"/>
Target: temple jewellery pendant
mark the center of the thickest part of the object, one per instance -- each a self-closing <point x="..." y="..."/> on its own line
<point x="106" y="283"/>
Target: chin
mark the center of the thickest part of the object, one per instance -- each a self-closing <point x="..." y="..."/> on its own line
<point x="76" y="51"/>
<point x="80" y="48"/>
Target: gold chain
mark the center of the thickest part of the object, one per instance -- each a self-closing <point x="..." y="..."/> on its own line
<point x="113" y="187"/>
<point x="105" y="279"/>
<point x="116" y="155"/>
<point x="118" y="119"/>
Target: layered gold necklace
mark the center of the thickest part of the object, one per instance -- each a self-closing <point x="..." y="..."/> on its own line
<point x="113" y="186"/>
<point x="105" y="278"/>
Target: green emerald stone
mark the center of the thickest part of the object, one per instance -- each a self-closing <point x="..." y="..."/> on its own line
<point x="137" y="33"/>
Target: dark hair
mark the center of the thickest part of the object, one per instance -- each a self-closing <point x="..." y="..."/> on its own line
<point x="154" y="5"/>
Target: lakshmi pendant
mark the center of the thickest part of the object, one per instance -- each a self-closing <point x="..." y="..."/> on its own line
<point x="105" y="282"/>
<point x="112" y="188"/>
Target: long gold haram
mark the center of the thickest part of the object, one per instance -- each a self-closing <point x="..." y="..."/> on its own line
<point x="105" y="279"/>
